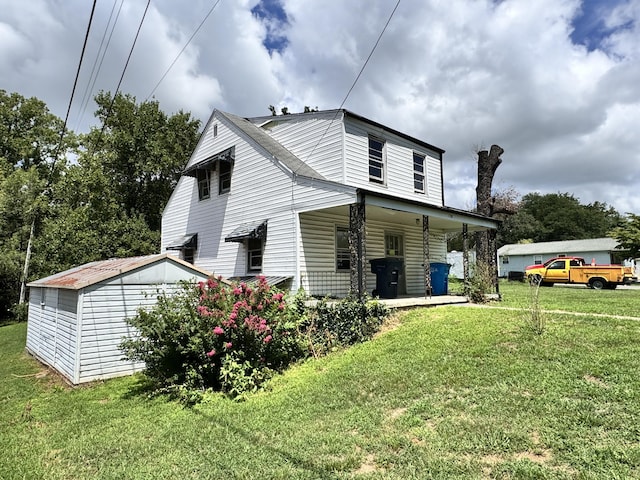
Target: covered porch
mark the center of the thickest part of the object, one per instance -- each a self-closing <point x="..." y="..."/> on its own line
<point x="337" y="245"/>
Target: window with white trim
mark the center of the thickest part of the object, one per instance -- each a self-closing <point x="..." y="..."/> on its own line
<point x="377" y="160"/>
<point x="393" y="245"/>
<point x="418" y="173"/>
<point x="343" y="254"/>
<point x="254" y="254"/>
<point x="537" y="259"/>
<point x="203" y="176"/>
<point x="225" y="177"/>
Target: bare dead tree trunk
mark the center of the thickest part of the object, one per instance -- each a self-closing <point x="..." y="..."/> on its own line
<point x="488" y="163"/>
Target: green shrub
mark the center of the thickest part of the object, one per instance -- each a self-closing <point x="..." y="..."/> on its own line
<point x="342" y="323"/>
<point x="480" y="284"/>
<point x="216" y="336"/>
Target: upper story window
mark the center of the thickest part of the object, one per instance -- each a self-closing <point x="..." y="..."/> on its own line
<point x="203" y="176"/>
<point x="377" y="160"/>
<point x="343" y="255"/>
<point x="225" y="177"/>
<point x="418" y="173"/>
<point x="222" y="163"/>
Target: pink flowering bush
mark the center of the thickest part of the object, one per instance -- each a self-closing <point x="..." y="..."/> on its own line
<point x="215" y="335"/>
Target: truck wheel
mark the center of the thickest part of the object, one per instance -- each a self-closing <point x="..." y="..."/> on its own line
<point x="597" y="283"/>
<point x="535" y="280"/>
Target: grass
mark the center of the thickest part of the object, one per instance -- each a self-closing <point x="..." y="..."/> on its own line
<point x="451" y="392"/>
<point x="574" y="299"/>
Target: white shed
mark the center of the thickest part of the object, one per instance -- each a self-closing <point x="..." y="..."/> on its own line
<point x="77" y="317"/>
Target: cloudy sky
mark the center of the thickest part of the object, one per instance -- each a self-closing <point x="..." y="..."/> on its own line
<point x="556" y="83"/>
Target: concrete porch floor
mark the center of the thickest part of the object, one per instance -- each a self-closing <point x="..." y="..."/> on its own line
<point x="405" y="301"/>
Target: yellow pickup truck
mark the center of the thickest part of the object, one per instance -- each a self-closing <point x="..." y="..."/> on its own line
<point x="576" y="270"/>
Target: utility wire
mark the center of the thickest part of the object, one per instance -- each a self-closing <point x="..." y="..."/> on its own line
<point x="92" y="80"/>
<point x="355" y="81"/>
<point x="183" y="49"/>
<point x="115" y="94"/>
<point x="27" y="258"/>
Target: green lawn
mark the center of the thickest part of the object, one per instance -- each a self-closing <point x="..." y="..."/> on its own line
<point x="451" y="392"/>
<point x="621" y="301"/>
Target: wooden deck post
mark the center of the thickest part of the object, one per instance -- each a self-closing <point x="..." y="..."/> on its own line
<point x="426" y="257"/>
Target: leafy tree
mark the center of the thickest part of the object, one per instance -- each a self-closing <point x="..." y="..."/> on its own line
<point x="142" y="151"/>
<point x="29" y="133"/>
<point x="561" y="216"/>
<point x="628" y="234"/>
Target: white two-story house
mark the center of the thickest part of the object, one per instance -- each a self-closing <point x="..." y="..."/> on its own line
<point x="310" y="199"/>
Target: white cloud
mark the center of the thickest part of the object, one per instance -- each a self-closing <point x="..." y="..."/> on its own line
<point x="457" y="74"/>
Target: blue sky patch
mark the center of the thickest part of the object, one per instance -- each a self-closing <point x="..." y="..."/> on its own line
<point x="271" y="13"/>
<point x="589" y="25"/>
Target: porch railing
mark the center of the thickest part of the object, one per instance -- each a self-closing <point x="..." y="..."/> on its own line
<point x="322" y="284"/>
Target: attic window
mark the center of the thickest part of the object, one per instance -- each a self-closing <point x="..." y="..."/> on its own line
<point x="215" y="130"/>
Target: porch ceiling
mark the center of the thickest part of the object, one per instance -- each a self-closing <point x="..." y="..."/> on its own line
<point x="438" y="220"/>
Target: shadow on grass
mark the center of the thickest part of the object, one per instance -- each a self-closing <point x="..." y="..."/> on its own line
<point x="143" y="387"/>
<point x="253" y="439"/>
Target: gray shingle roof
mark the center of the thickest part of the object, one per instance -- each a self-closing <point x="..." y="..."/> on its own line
<point x="274" y="148"/>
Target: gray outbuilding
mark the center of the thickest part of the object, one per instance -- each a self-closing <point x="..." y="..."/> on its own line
<point x="77" y="317"/>
<point x="516" y="257"/>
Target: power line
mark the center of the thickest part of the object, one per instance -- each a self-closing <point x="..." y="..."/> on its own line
<point x="115" y="94"/>
<point x="355" y="81"/>
<point x="27" y="258"/>
<point x="183" y="49"/>
<point x="92" y="79"/>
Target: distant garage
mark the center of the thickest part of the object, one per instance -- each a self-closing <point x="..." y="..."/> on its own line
<point x="77" y="317"/>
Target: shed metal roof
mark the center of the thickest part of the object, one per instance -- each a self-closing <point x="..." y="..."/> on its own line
<point x="565" y="246"/>
<point x="96" y="272"/>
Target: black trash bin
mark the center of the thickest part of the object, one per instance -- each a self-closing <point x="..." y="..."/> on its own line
<point x="387" y="271"/>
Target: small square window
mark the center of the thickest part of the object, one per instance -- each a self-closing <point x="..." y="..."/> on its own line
<point x="537" y="259"/>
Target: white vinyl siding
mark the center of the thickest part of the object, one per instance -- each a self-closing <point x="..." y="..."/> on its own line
<point x="104" y="310"/>
<point x="272" y="197"/>
<point x="399" y="171"/>
<point x="301" y="137"/>
<point x="78" y="332"/>
<point x="318" y="271"/>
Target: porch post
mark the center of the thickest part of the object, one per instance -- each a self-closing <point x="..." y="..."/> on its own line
<point x="465" y="257"/>
<point x="425" y="256"/>
<point x="494" y="259"/>
<point x="357" y="248"/>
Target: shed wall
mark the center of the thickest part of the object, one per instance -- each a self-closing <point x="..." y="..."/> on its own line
<point x="52" y="328"/>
